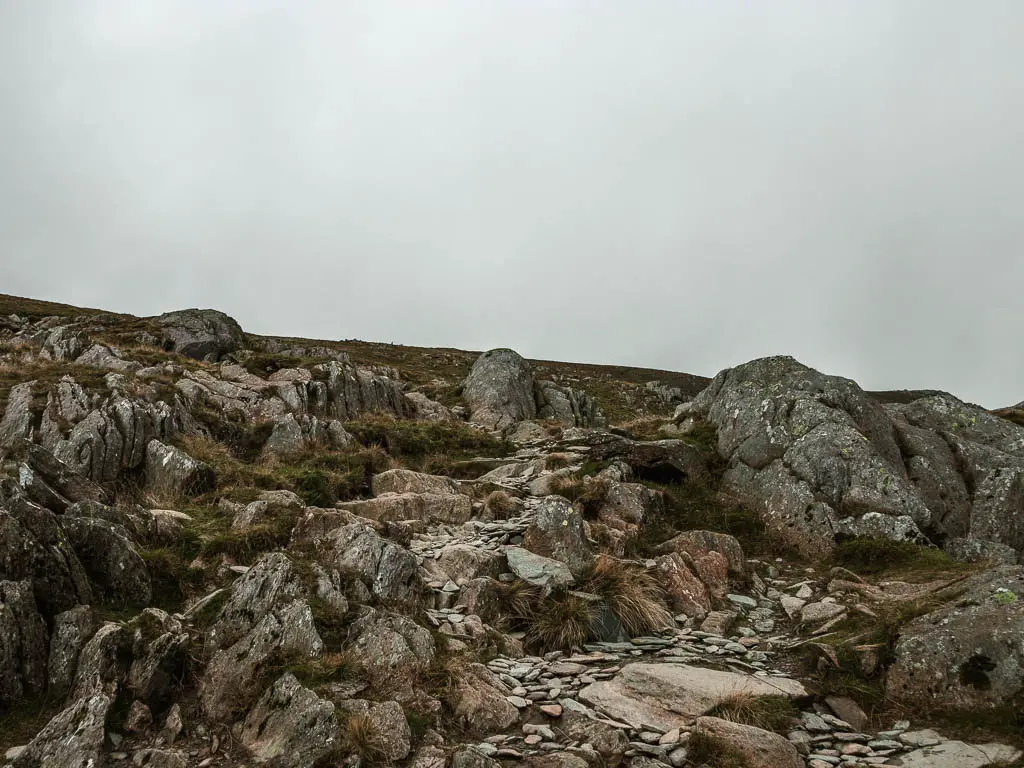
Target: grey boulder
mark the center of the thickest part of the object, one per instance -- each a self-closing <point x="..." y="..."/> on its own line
<point x="203" y="334"/>
<point x="499" y="390"/>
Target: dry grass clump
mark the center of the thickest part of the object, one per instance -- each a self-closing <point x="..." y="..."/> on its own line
<point x="593" y="497"/>
<point x="705" y="750"/>
<point x="358" y="736"/>
<point x="557" y="460"/>
<point x="566" y="486"/>
<point x="561" y="621"/>
<point x="499" y="505"/>
<point x="632" y="593"/>
<point x="770" y="713"/>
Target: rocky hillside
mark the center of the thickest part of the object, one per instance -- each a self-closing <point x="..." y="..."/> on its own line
<point x="223" y="549"/>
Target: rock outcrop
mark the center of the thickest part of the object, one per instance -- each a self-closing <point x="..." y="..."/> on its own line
<point x="203" y="334"/>
<point x="499" y="390"/>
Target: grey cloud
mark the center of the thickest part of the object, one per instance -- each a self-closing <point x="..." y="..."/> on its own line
<point x="684" y="185"/>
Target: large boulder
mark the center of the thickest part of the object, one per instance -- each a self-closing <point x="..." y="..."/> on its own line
<point x="18" y="420"/>
<point x="23" y="644"/>
<point x="557" y="531"/>
<point x="33" y="546"/>
<point x="407" y="481"/>
<point x="203" y="334"/>
<point x="480" y="700"/>
<point x="72" y="629"/>
<point x="116" y="570"/>
<point x="538" y="570"/>
<point x="290" y="726"/>
<point x="431" y="507"/>
<point x="389" y="571"/>
<point x="393" y="649"/>
<point x="499" y="389"/>
<point x="967" y="654"/>
<point x="72" y="739"/>
<point x="172" y="473"/>
<point x="814" y="453"/>
<point x="53" y="484"/>
<point x="572" y="407"/>
<point x="758" y="748"/>
<point x="673" y="695"/>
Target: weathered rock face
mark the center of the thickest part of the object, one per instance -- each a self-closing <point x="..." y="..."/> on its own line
<point x="203" y="334"/>
<point x="17" y="421"/>
<point x="393" y="649"/>
<point x="388" y="570"/>
<point x="171" y="472"/>
<point x="290" y="726"/>
<point x="431" y="507"/>
<point x="53" y="484"/>
<point x="759" y="748"/>
<point x="480" y="701"/>
<point x="71" y="631"/>
<point x="538" y="570"/>
<point x="574" y="408"/>
<point x="558" y="532"/>
<point x="74" y="738"/>
<point x="967" y="654"/>
<point x="683" y="588"/>
<point x="813" y="452"/>
<point x="820" y="459"/>
<point x="499" y="389"/>
<point x="292" y="435"/>
<point x="64" y="343"/>
<point x="115" y="568"/>
<point x="33" y="546"/>
<point x="114" y="438"/>
<point x="407" y="481"/>
<point x="426" y="409"/>
<point x="670" y="695"/>
<point x="23" y="644"/>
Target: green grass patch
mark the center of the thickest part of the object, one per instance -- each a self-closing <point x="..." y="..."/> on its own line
<point x="413" y="442"/>
<point x="868" y="556"/>
<point x="770" y="713"/>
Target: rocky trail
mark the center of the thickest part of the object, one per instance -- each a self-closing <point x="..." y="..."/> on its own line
<point x="204" y="562"/>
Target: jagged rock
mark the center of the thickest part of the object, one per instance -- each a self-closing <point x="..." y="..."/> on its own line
<point x="290" y="726"/>
<point x="203" y="334"/>
<point x="979" y="551"/>
<point x="966" y="654"/>
<point x="115" y="568"/>
<point x="342" y="391"/>
<point x="17" y="422"/>
<point x="139" y="718"/>
<point x="957" y="754"/>
<point x="387" y="722"/>
<point x="432" y="507"/>
<point x="233" y="676"/>
<point x="50" y="482"/>
<point x="499" y="389"/>
<point x="407" y="481"/>
<point x="33" y="546"/>
<point x="538" y="570"/>
<point x="292" y="435"/>
<point x="107" y="359"/>
<point x="480" y="703"/>
<point x="270" y="584"/>
<point x="557" y="531"/>
<point x="698" y="543"/>
<point x="426" y="409"/>
<point x="103" y="662"/>
<point x="159" y="657"/>
<point x="63" y="344"/>
<point x="23" y="644"/>
<point x="393" y="649"/>
<point x="528" y="432"/>
<point x="387" y="569"/>
<point x="630" y="504"/>
<point x="114" y="438"/>
<point x="72" y="629"/>
<point x="582" y="724"/>
<point x="759" y="748"/>
<point x="574" y="408"/>
<point x="72" y="739"/>
<point x="670" y="695"/>
<point x="683" y="588"/>
<point x="461" y="563"/>
<point x="67" y="403"/>
<point x="173" y="473"/>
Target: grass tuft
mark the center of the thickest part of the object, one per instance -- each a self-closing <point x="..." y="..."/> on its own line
<point x="562" y="621"/>
<point x="705" y="750"/>
<point x="632" y="592"/>
<point x="867" y="556"/>
<point x="770" y="713"/>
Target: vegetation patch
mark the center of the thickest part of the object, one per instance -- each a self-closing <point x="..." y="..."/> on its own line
<point x="632" y="592"/>
<point x="413" y="442"/>
<point x="867" y="556"/>
<point x="705" y="750"/>
<point x="770" y="713"/>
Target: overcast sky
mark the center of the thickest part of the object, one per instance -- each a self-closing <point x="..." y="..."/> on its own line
<point x="683" y="185"/>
